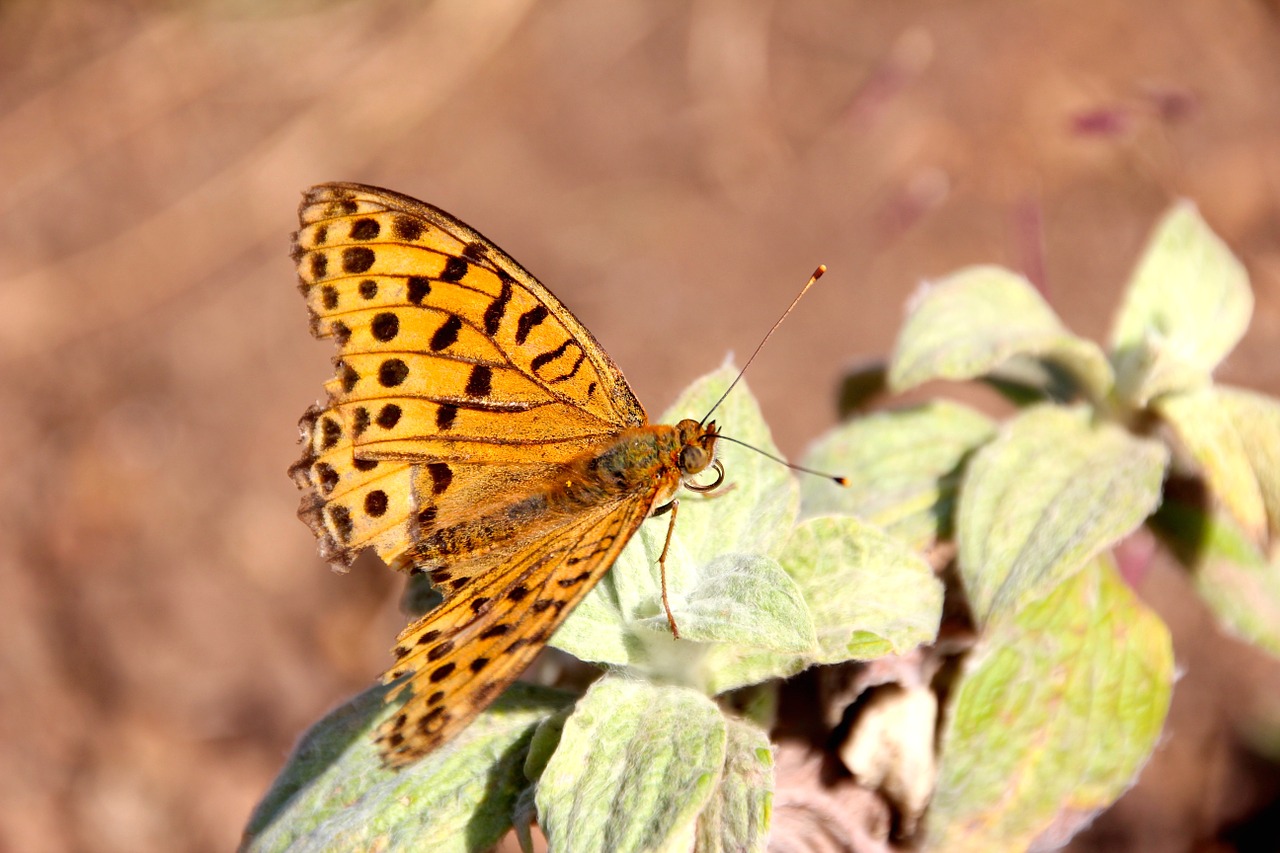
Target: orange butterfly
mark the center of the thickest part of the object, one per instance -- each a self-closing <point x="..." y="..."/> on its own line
<point x="474" y="431"/>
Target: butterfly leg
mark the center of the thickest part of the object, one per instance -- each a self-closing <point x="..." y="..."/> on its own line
<point x="674" y="509"/>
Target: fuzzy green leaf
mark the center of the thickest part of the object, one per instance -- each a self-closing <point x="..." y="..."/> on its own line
<point x="636" y="765"/>
<point x="1055" y="713"/>
<point x="736" y="818"/>
<point x="335" y="794"/>
<point x="1257" y="421"/>
<point x="903" y="468"/>
<point x="1240" y="585"/>
<point x="747" y="600"/>
<point x="870" y="595"/>
<point x="975" y="320"/>
<point x="1186" y="306"/>
<point x="1048" y="494"/>
<point x="1208" y="427"/>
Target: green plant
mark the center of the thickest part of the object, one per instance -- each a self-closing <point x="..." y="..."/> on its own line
<point x="1062" y="697"/>
<point x="1051" y="708"/>
<point x="646" y="758"/>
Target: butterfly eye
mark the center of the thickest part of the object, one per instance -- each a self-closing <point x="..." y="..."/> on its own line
<point x="692" y="459"/>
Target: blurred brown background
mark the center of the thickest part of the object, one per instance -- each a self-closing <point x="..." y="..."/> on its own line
<point x="672" y="170"/>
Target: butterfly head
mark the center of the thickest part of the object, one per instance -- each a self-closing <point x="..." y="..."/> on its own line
<point x="698" y="452"/>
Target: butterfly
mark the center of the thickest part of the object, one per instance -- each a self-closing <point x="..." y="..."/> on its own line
<point x="473" y="431"/>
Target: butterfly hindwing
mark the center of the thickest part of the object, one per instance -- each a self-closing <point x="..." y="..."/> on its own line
<point x="462" y="654"/>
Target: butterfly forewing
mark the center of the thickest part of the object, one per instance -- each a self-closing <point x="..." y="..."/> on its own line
<point x="448" y="351"/>
<point x="463" y="393"/>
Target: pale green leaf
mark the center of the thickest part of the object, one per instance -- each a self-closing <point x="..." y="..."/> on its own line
<point x="869" y="594"/>
<point x="1186" y="306"/>
<point x="747" y="600"/>
<point x="975" y="320"/>
<point x="334" y="794"/>
<point x="636" y="765"/>
<point x="1053" y="716"/>
<point x="1050" y="492"/>
<point x="903" y="468"/>
<point x="1208" y="428"/>
<point x="1257" y="421"/>
<point x="736" y="817"/>
<point x="1240" y="585"/>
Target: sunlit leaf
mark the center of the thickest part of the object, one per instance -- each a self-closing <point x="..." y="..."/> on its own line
<point x="1055" y="713"/>
<point x="903" y="468"/>
<point x="1050" y="492"/>
<point x="636" y="765"/>
<point x="1186" y="306"/>
<point x="975" y="320"/>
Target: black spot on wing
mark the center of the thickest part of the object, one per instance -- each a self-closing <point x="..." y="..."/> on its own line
<point x="407" y="228"/>
<point x="328" y="477"/>
<point x="389" y="416"/>
<point x="375" y="503"/>
<point x="328" y="294"/>
<point x="497" y="308"/>
<point x="330" y="433"/>
<point x="419" y="287"/>
<point x="359" y="421"/>
<point x="441" y="476"/>
<point x="480" y="382"/>
<point x="455" y="270"/>
<point x="357" y="259"/>
<point x="528" y="321"/>
<point x="341" y="518"/>
<point x="447" y="334"/>
<point x="392" y="372"/>
<point x="365" y="229"/>
<point x="348" y="377"/>
<point x="543" y="359"/>
<point x="385" y="326"/>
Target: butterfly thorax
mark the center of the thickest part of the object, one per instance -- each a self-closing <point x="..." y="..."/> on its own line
<point x="654" y="456"/>
<point x="650" y="461"/>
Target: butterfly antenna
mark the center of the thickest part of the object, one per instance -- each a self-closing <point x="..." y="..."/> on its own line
<point x="817" y="274"/>
<point x="839" y="481"/>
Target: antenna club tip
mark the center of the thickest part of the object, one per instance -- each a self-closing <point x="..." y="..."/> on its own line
<point x="840" y="481"/>
<point x="818" y="273"/>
